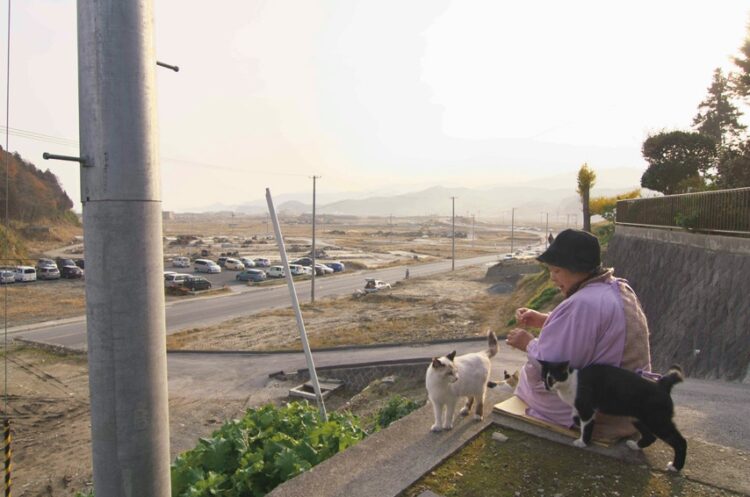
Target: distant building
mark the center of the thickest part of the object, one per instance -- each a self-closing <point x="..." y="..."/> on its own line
<point x="167" y="216"/>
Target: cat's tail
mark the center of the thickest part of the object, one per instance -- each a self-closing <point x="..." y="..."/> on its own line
<point x="492" y="344"/>
<point x="673" y="377"/>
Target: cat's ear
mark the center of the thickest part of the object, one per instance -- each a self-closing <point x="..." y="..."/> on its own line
<point x="451" y="356"/>
<point x="566" y="366"/>
<point x="436" y="363"/>
<point x="542" y="363"/>
<point x="506" y="375"/>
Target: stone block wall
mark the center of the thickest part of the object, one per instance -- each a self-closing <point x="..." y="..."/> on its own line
<point x="695" y="291"/>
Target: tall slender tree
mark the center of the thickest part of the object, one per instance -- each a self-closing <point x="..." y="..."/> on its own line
<point x="586" y="180"/>
<point x="741" y="78"/>
<point x="717" y="116"/>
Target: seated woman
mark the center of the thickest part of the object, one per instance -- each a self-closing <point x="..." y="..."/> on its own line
<point x="599" y="322"/>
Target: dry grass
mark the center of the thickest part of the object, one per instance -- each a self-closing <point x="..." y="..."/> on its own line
<point x="50" y="300"/>
<point x="448" y="306"/>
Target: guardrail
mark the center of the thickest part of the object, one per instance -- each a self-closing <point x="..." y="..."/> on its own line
<point x="720" y="211"/>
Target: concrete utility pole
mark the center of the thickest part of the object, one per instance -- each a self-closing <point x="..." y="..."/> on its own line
<point x="512" y="229"/>
<point x="546" y="232"/>
<point x="120" y="192"/>
<point x="453" y="236"/>
<point x="312" y="282"/>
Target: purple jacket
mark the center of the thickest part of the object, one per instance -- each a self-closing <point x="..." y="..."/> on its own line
<point x="586" y="328"/>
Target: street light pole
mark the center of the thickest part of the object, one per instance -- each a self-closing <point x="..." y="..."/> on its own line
<point x="312" y="282"/>
<point x="512" y="229"/>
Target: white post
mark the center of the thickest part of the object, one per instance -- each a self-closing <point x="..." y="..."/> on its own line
<point x="295" y="305"/>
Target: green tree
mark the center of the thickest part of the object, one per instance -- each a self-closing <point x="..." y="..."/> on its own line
<point x="678" y="161"/>
<point x="586" y="180"/>
<point x="717" y="116"/>
<point x="741" y="79"/>
<point x="734" y="167"/>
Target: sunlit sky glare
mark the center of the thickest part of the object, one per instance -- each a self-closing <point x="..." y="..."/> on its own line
<point x="384" y="95"/>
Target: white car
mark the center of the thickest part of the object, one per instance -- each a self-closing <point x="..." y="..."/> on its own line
<point x="233" y="264"/>
<point x="373" y="285"/>
<point x="181" y="262"/>
<point x="174" y="280"/>
<point x="48" y="273"/>
<point x="248" y="262"/>
<point x="275" y="272"/>
<point x="7" y="276"/>
<point x="296" y="269"/>
<point x="206" y="266"/>
<point x="25" y="273"/>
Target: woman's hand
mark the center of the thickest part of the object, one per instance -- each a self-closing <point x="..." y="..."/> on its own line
<point x="530" y="317"/>
<point x="519" y="339"/>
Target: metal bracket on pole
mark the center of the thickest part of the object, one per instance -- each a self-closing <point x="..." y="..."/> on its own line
<point x="295" y="305"/>
<point x="47" y="156"/>
<point x="168" y="66"/>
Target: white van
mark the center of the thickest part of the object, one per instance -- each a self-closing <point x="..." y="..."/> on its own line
<point x="25" y="273"/>
<point x="275" y="272"/>
<point x="206" y="266"/>
<point x="180" y="262"/>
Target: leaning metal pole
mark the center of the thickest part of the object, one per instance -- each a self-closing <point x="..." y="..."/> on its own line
<point x="120" y="192"/>
<point x="295" y="305"/>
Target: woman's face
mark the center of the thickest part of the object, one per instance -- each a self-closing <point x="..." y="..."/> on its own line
<point x="565" y="279"/>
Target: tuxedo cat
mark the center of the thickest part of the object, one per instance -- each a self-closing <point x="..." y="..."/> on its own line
<point x="450" y="377"/>
<point x="620" y="392"/>
<point x="509" y="380"/>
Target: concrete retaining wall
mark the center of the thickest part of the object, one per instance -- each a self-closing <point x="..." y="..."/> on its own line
<point x="358" y="376"/>
<point x="695" y="291"/>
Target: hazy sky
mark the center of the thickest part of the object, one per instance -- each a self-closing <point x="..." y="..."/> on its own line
<point x="384" y="94"/>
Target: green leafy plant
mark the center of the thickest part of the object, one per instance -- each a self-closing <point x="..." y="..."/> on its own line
<point x="269" y="445"/>
<point x="397" y="408"/>
<point x="687" y="221"/>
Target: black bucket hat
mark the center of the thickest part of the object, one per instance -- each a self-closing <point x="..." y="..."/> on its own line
<point x="574" y="250"/>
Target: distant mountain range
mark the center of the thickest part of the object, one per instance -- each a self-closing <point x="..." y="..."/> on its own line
<point x="554" y="194"/>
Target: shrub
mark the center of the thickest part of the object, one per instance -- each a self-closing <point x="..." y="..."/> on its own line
<point x="397" y="408"/>
<point x="269" y="445"/>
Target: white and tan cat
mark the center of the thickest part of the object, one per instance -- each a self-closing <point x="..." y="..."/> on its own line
<point x="450" y="377"/>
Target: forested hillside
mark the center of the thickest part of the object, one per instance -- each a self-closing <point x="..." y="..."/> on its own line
<point x="34" y="196"/>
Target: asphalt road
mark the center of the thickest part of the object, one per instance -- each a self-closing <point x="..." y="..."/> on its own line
<point x="243" y="301"/>
<point x="707" y="410"/>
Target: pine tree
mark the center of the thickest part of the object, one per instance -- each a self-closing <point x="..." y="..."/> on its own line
<point x="741" y="79"/>
<point x="718" y="117"/>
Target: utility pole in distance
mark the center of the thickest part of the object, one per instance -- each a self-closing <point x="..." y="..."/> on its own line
<point x="512" y="229"/>
<point x="453" y="236"/>
<point x="312" y="282"/>
<point x="122" y="219"/>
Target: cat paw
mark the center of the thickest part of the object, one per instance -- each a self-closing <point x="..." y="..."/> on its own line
<point x="579" y="443"/>
<point x="435" y="428"/>
<point x="632" y="444"/>
<point x="448" y="427"/>
<point x="477" y="417"/>
<point x="670" y="467"/>
<point x="463" y="412"/>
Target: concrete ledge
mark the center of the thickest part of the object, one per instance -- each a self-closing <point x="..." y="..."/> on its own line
<point x="387" y="462"/>
<point x="718" y="243"/>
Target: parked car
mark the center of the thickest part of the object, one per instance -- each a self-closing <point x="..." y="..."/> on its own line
<point x="373" y="285"/>
<point x="233" y="264"/>
<point x="48" y="273"/>
<point x="71" y="272"/>
<point x="7" y="276"/>
<point x="322" y="270"/>
<point x="221" y="260"/>
<point x="338" y="267"/>
<point x="180" y="262"/>
<point x="175" y="279"/>
<point x="262" y="262"/>
<point x="296" y="269"/>
<point x="275" y="272"/>
<point x="248" y="262"/>
<point x="303" y="261"/>
<point x="196" y="283"/>
<point x="251" y="275"/>
<point x="61" y="263"/>
<point x="45" y="263"/>
<point x="25" y="273"/>
<point x="205" y="266"/>
<point x="80" y="264"/>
